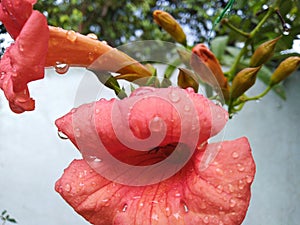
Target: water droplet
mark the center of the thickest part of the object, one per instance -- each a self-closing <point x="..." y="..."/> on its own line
<point x="219" y="171"/>
<point x="186" y="208"/>
<point x="77" y="132"/>
<point x="230" y="188"/>
<point x="71" y="35"/>
<point x="97" y="111"/>
<point x="221" y="223"/>
<point x="97" y="160"/>
<point x="62" y="136"/>
<point x="61" y="68"/>
<point x="154" y="202"/>
<point x="257" y="101"/>
<point x="67" y="188"/>
<point x="125" y="206"/>
<point x="141" y="204"/>
<point x="2" y="75"/>
<point x="92" y="36"/>
<point x="156" y="124"/>
<point x="187" y="108"/>
<point x="93" y="183"/>
<point x="241" y="184"/>
<point x="174" y="97"/>
<point x="190" y="90"/>
<point x="176" y="215"/>
<point x="235" y="155"/>
<point x="168" y="211"/>
<point x="219" y="188"/>
<point x="232" y="203"/>
<point x="91" y="56"/>
<point x="142" y="91"/>
<point x="154" y="217"/>
<point x="249" y="179"/>
<point x="206" y="219"/>
<point x="177" y="195"/>
<point x="136" y="197"/>
<point x="21" y="47"/>
<point x="81" y="184"/>
<point x="240" y="167"/>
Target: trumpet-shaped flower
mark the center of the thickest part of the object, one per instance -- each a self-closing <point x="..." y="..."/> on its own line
<point x="24" y="60"/>
<point x="199" y="190"/>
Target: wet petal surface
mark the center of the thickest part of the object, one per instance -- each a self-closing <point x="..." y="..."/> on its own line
<point x="24" y="61"/>
<point x="218" y="195"/>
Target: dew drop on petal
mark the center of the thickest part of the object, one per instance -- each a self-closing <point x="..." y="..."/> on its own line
<point x="235" y="155"/>
<point x="241" y="184"/>
<point x="2" y="75"/>
<point x="156" y="124"/>
<point x="206" y="219"/>
<point x="232" y="202"/>
<point x="219" y="188"/>
<point x="190" y="90"/>
<point x="136" y="197"/>
<point x="187" y="108"/>
<point x="77" y="132"/>
<point x="176" y="215"/>
<point x="240" y="167"/>
<point x="249" y="179"/>
<point x="168" y="211"/>
<point x="61" y="68"/>
<point x="91" y="56"/>
<point x="142" y="91"/>
<point x="177" y="195"/>
<point x="230" y="188"/>
<point x="71" y="35"/>
<point x="154" y="217"/>
<point x="174" y="97"/>
<point x="125" y="206"/>
<point x="21" y="47"/>
<point x="92" y="36"/>
<point x="67" y="188"/>
<point x="185" y="208"/>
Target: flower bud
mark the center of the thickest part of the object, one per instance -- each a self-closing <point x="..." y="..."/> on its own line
<point x="202" y="55"/>
<point x="285" y="68"/>
<point x="243" y="81"/>
<point x="169" y="24"/>
<point x="186" y="78"/>
<point x="263" y="53"/>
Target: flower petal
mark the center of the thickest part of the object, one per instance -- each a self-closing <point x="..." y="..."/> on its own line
<point x="74" y="49"/>
<point x="14" y="14"/>
<point x="218" y="195"/>
<point x="24" y="61"/>
<point x="148" y="118"/>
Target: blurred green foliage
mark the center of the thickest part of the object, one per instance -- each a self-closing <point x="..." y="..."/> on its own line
<point x="118" y="22"/>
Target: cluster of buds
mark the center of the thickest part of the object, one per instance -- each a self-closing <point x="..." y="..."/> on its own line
<point x="207" y="68"/>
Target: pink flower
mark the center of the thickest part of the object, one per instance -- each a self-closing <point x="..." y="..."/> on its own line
<point x="173" y="181"/>
<point x="24" y="60"/>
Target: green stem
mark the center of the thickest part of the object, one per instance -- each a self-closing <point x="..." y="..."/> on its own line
<point x="231" y="73"/>
<point x="234" y="28"/>
<point x="257" y="97"/>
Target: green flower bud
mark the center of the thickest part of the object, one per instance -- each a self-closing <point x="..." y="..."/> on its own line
<point x="263" y="53"/>
<point x="169" y="24"/>
<point x="243" y="81"/>
<point x="285" y="68"/>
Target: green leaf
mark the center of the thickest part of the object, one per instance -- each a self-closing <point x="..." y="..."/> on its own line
<point x="218" y="46"/>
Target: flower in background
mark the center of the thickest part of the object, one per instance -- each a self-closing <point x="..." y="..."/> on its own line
<point x="24" y="60"/>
